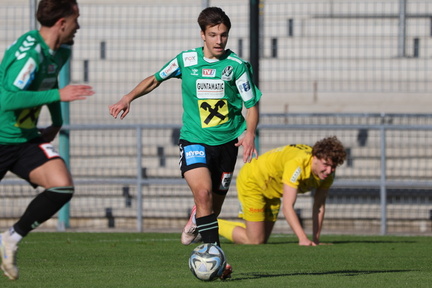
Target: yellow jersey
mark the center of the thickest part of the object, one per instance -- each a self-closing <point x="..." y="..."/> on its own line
<point x="290" y="165"/>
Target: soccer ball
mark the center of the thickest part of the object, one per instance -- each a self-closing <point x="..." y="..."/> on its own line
<point x="207" y="262"/>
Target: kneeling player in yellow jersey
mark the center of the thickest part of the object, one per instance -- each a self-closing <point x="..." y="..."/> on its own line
<point x="280" y="174"/>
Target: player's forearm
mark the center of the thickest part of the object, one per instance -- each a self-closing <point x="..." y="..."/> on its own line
<point x="318" y="219"/>
<point x="14" y="100"/>
<point x="252" y="119"/>
<point x="144" y="87"/>
<point x="294" y="223"/>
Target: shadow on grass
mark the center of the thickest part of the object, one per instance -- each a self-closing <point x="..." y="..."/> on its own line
<point x="273" y="242"/>
<point x="258" y="275"/>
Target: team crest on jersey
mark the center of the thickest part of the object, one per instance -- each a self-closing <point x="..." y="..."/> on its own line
<point x="213" y="112"/>
<point x="227" y="73"/>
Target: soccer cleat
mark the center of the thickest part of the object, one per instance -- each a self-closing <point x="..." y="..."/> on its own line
<point x="190" y="232"/>
<point x="8" y="253"/>
<point x="227" y="272"/>
<point x="198" y="238"/>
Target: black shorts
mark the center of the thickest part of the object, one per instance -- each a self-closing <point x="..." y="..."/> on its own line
<point x="23" y="158"/>
<point x="220" y="160"/>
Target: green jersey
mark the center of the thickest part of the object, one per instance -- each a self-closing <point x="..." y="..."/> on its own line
<point x="213" y="95"/>
<point x="28" y="80"/>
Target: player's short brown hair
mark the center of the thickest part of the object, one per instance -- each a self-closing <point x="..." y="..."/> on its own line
<point x="330" y="148"/>
<point x="212" y="16"/>
<point x="50" y="11"/>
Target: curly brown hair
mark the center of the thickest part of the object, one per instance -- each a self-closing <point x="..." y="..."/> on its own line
<point x="330" y="148"/>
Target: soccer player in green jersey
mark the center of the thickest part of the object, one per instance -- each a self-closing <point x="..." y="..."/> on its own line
<point x="279" y="174"/>
<point x="28" y="81"/>
<point x="216" y="84"/>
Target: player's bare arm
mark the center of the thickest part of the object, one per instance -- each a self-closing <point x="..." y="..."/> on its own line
<point x="318" y="213"/>
<point x="289" y="199"/>
<point x="75" y="92"/>
<point x="248" y="141"/>
<point x="122" y="107"/>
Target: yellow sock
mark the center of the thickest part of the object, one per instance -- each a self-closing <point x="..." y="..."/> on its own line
<point x="226" y="228"/>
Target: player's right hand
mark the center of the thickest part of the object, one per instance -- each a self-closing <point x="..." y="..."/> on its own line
<point x="121" y="106"/>
<point x="75" y="92"/>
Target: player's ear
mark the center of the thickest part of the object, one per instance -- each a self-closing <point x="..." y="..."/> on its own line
<point x="203" y="35"/>
<point x="61" y="23"/>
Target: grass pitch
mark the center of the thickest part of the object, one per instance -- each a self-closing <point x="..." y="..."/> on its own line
<point x="64" y="260"/>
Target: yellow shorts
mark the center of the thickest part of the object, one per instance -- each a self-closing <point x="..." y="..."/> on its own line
<point x="254" y="206"/>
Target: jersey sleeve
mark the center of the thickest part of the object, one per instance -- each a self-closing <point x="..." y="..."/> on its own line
<point x="18" y="76"/>
<point x="292" y="174"/>
<point x="246" y="87"/>
<point x="56" y="114"/>
<point x="169" y="70"/>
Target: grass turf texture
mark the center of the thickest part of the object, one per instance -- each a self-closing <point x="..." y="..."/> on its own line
<point x="159" y="260"/>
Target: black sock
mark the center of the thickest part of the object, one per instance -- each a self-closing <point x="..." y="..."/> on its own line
<point x="42" y="208"/>
<point x="209" y="229"/>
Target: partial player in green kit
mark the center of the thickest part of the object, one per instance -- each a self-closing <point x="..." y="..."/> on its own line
<point x="28" y="81"/>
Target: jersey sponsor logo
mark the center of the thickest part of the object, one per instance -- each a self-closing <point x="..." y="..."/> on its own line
<point x="49" y="150"/>
<point x="256" y="210"/>
<point x="213" y="112"/>
<point x="227" y="73"/>
<point x="209" y="72"/>
<point x="210" y="88"/>
<point x="194" y="154"/>
<point x="225" y="181"/>
<point x="194" y="72"/>
<point x="295" y="175"/>
<point x="26" y="45"/>
<point x="52" y="68"/>
<point x="190" y="58"/>
<point x="169" y="69"/>
<point x="47" y="84"/>
<point x="26" y="74"/>
<point x="28" y="118"/>
<point x="244" y="87"/>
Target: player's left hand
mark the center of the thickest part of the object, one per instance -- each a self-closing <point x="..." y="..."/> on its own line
<point x="249" y="150"/>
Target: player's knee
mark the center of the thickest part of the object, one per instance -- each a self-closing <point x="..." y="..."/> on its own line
<point x="60" y="195"/>
<point x="256" y="242"/>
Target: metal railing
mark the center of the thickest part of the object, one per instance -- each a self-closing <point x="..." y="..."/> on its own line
<point x="373" y="173"/>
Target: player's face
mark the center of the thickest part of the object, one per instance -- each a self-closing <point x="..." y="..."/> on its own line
<point x="70" y="27"/>
<point x="322" y="168"/>
<point x="215" y="40"/>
